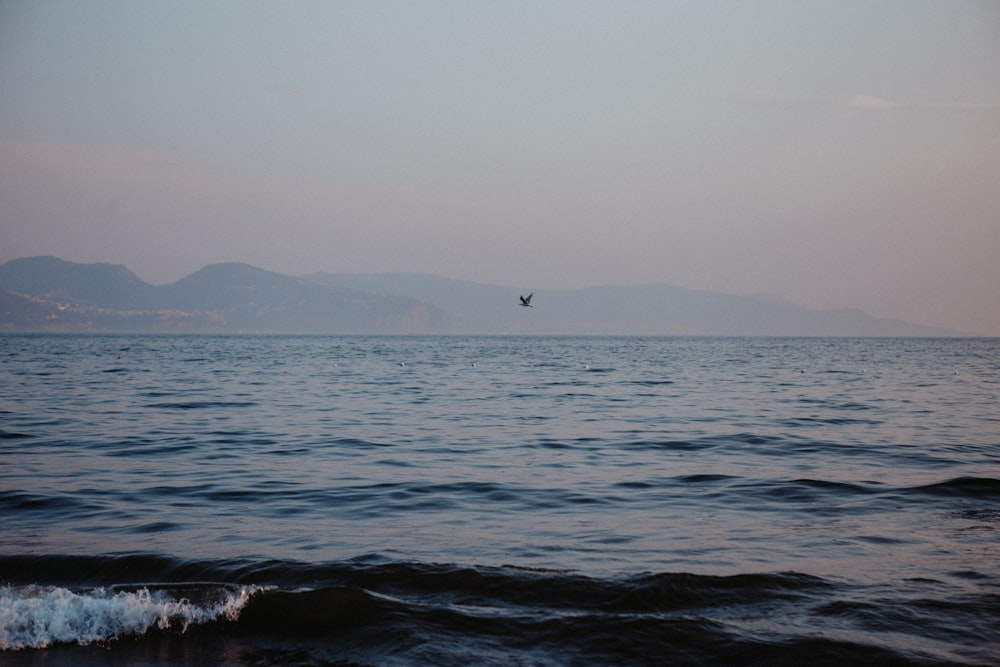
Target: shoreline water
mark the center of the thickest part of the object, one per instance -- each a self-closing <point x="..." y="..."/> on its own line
<point x="550" y="501"/>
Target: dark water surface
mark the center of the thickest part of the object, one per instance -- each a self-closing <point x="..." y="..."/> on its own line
<point x="281" y="500"/>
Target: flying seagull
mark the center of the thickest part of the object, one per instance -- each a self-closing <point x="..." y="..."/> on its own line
<point x="527" y="302"/>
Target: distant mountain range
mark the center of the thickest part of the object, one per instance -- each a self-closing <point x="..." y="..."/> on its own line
<point x="49" y="294"/>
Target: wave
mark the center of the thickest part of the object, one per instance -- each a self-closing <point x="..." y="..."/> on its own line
<point x="971" y="487"/>
<point x="35" y="616"/>
<point x="374" y="611"/>
<point x="201" y="405"/>
<point x="395" y="498"/>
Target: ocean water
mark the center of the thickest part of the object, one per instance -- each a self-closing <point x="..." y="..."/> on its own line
<point x="323" y="500"/>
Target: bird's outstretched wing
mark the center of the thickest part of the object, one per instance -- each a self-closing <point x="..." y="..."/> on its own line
<point x="527" y="302"/>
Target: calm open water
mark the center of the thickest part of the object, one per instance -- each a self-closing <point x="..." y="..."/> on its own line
<point x="283" y="500"/>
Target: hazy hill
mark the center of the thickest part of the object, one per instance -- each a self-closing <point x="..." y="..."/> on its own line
<point x="256" y="300"/>
<point x="49" y="294"/>
<point x="108" y="285"/>
<point x="45" y="293"/>
<point x="635" y="310"/>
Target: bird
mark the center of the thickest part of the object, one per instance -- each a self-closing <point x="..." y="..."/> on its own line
<point x="527" y="302"/>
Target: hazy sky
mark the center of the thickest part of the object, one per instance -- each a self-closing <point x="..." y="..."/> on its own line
<point x="835" y="153"/>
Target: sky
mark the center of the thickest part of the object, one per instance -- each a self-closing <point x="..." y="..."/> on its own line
<point x="838" y="154"/>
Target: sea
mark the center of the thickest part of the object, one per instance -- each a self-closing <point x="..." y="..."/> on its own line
<point x="256" y="500"/>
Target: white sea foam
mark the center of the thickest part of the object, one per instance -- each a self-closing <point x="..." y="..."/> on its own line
<point x="39" y="616"/>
